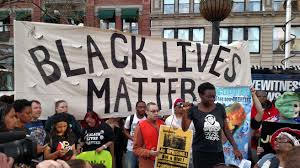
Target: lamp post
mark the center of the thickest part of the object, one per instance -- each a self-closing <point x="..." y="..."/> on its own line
<point x="215" y="11"/>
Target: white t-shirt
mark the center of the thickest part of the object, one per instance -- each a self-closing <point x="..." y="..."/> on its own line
<point x="135" y="121"/>
<point x="176" y="123"/>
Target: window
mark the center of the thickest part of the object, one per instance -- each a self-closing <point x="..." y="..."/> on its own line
<point x="183" y="34"/>
<point x="169" y="33"/>
<point x="254" y="5"/>
<point x="4" y="21"/>
<point x="107" y="24"/>
<point x="23" y="15"/>
<point x="169" y="6"/>
<point x="238" y="6"/>
<point x="223" y="39"/>
<point x="107" y="19"/>
<point x="196" y="6"/>
<point x="130" y="26"/>
<point x="237" y="34"/>
<point x="277" y="5"/>
<point x="191" y="34"/>
<point x="232" y="34"/>
<point x="253" y="39"/>
<point x="184" y="6"/>
<point x="198" y="35"/>
<point x="279" y="38"/>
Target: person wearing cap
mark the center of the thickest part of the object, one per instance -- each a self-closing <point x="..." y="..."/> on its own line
<point x="175" y="119"/>
<point x="146" y="137"/>
<point x="210" y="120"/>
<point x="282" y="141"/>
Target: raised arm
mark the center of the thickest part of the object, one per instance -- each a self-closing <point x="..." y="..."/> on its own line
<point x="258" y="106"/>
<point x="186" y="121"/>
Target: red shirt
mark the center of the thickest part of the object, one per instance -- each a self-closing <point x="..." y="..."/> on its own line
<point x="268" y="113"/>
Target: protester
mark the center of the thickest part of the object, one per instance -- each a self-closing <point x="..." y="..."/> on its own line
<point x="61" y="140"/>
<point x="96" y="135"/>
<point x="117" y="125"/>
<point x="209" y="120"/>
<point x="36" y="127"/>
<point x="23" y="110"/>
<point x="61" y="106"/>
<point x="129" y="127"/>
<point x="175" y="120"/>
<point x="293" y="158"/>
<point x="262" y="110"/>
<point x="282" y="141"/>
<point x="8" y="119"/>
<point x="146" y="137"/>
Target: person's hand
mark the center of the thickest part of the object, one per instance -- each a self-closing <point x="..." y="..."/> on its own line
<point x="253" y="91"/>
<point x="186" y="106"/>
<point x="153" y="152"/>
<point x="62" y="152"/>
<point x="238" y="154"/>
<point x="6" y="162"/>
<point x="40" y="148"/>
<point x="53" y="164"/>
<point x="101" y="148"/>
<point x="259" y="150"/>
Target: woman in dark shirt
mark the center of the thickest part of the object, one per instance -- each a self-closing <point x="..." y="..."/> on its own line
<point x="60" y="140"/>
<point x="209" y="119"/>
<point x="96" y="135"/>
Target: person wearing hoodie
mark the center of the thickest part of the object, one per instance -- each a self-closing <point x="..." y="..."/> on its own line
<point x="61" y="106"/>
<point x="175" y="119"/>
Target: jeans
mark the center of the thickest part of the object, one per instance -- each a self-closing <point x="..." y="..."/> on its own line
<point x="131" y="160"/>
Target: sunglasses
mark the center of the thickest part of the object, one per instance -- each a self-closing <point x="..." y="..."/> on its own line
<point x="180" y="104"/>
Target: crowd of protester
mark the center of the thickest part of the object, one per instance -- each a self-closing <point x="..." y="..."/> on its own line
<point x="132" y="141"/>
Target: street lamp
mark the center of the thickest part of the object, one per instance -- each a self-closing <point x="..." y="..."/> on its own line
<point x="215" y="11"/>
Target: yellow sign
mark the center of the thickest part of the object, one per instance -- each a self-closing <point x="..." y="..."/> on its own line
<point x="174" y="147"/>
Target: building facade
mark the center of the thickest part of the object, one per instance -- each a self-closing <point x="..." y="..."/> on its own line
<point x="259" y="22"/>
<point x="131" y="16"/>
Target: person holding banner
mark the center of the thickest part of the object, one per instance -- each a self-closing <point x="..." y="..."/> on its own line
<point x="209" y="120"/>
<point x="146" y="137"/>
<point x="175" y="119"/>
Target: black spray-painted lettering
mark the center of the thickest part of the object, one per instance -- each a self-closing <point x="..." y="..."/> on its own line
<point x="91" y="54"/>
<point x="140" y="86"/>
<point x="184" y="90"/>
<point x="184" y="68"/>
<point x="232" y="78"/>
<point x="99" y="93"/>
<point x="120" y="95"/>
<point x="117" y="64"/>
<point x="217" y="58"/>
<point x="166" y="67"/>
<point x="138" y="52"/>
<point x="202" y="66"/>
<point x="56" y="74"/>
<point x="158" y="81"/>
<point x="171" y="91"/>
<point x="65" y="62"/>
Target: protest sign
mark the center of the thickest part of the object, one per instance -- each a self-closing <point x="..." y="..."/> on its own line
<point x="93" y="157"/>
<point x="267" y="130"/>
<point x="237" y="102"/>
<point x="174" y="147"/>
<point x="109" y="71"/>
<point x="276" y="83"/>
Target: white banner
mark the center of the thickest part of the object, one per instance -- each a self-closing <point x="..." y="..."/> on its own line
<point x="109" y="71"/>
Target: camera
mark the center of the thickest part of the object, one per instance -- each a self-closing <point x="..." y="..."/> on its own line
<point x="15" y="144"/>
